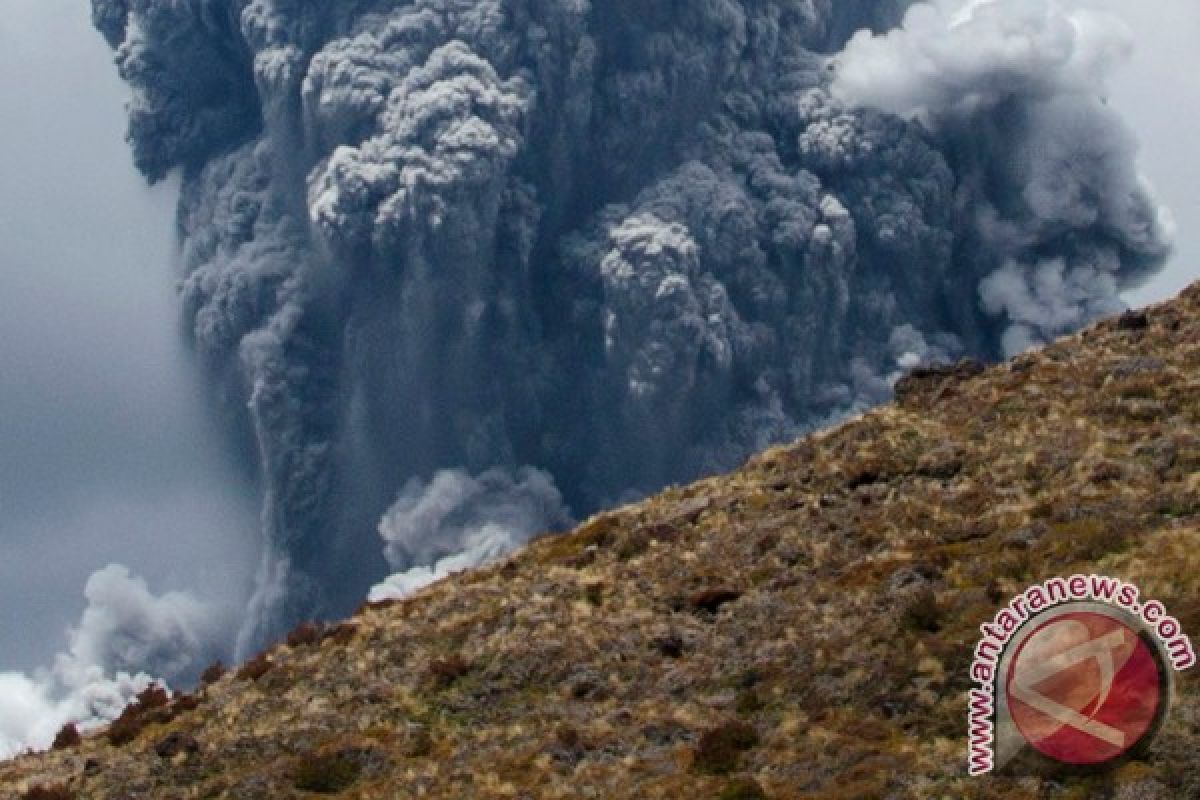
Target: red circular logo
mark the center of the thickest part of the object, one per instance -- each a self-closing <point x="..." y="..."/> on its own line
<point x="1085" y="688"/>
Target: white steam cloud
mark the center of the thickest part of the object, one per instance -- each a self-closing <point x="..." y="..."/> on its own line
<point x="957" y="58"/>
<point x="457" y="521"/>
<point x="126" y="639"/>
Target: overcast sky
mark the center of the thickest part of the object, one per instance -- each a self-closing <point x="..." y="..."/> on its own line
<point x="105" y="450"/>
<point x="1159" y="92"/>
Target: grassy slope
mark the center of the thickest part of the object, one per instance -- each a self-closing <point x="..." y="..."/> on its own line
<point x="816" y="609"/>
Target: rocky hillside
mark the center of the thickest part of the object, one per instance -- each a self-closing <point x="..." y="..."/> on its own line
<point x="801" y="628"/>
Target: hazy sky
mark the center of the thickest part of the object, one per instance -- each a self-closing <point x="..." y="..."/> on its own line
<point x="105" y="450"/>
<point x="106" y="453"/>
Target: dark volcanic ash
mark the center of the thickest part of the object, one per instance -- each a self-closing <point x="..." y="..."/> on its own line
<point x="622" y="242"/>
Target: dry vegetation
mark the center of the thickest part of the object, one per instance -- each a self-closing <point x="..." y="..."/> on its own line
<point x="798" y="629"/>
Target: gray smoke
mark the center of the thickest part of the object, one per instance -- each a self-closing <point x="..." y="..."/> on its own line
<point x="626" y="241"/>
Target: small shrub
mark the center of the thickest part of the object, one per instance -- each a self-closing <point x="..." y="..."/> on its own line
<point x="594" y="594"/>
<point x="326" y="774"/>
<point x="748" y="702"/>
<point x="749" y="679"/>
<point x="176" y="743"/>
<point x="255" y="668"/>
<point x="921" y="611"/>
<point x="598" y="532"/>
<point x="68" y="737"/>
<point x="568" y="737"/>
<point x="632" y="545"/>
<point x="212" y="673"/>
<point x="579" y="548"/>
<point x="377" y="605"/>
<point x="1086" y="538"/>
<point x="866" y="474"/>
<point x="444" y="672"/>
<point x="742" y="789"/>
<point x="1106" y="472"/>
<point x="125" y="729"/>
<point x="149" y="707"/>
<point x="719" y="750"/>
<point x="278" y="680"/>
<point x="1142" y="388"/>
<point x="670" y="645"/>
<point x="304" y="634"/>
<point x="569" y="746"/>
<point x="152" y="697"/>
<point x="341" y="634"/>
<point x="1176" y="505"/>
<point x="1133" y="321"/>
<point x="587" y="684"/>
<point x="766" y="544"/>
<point x="185" y="703"/>
<point x="711" y="600"/>
<point x="49" y="793"/>
<point x="418" y="742"/>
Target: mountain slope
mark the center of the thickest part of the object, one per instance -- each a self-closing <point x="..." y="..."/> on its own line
<point x="801" y="628"/>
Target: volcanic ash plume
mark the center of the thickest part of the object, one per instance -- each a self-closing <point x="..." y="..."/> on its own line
<point x="624" y="242"/>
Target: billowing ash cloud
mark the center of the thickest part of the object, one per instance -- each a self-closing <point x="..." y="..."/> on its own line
<point x="125" y="636"/>
<point x="1072" y="220"/>
<point x="458" y="521"/>
<point x="626" y="241"/>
